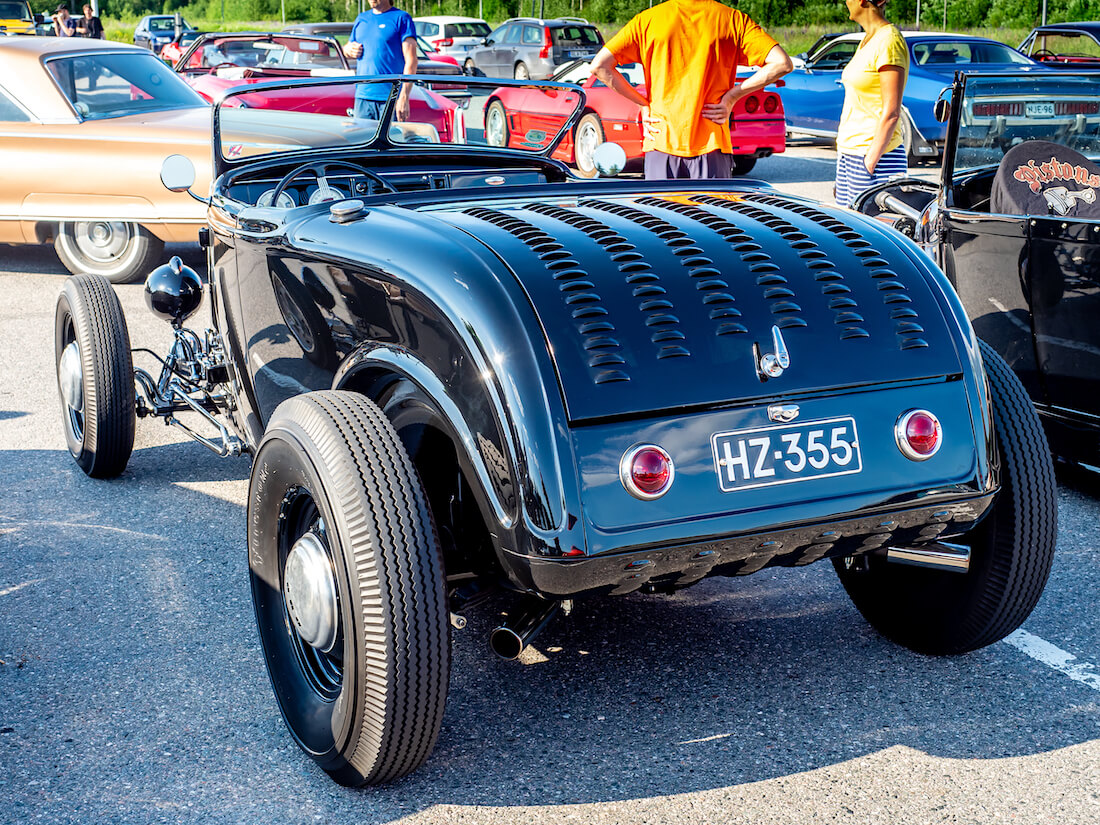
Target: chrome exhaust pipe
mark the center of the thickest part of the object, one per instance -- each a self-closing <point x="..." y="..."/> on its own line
<point x="939" y="556"/>
<point x="509" y="640"/>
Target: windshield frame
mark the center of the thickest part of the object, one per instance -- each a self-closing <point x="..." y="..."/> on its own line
<point x="381" y="141"/>
<point x="207" y="38"/>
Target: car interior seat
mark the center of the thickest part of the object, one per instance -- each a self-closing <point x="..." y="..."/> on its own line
<point x="1038" y="177"/>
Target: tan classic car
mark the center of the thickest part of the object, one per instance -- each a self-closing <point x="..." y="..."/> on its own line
<point x="84" y="128"/>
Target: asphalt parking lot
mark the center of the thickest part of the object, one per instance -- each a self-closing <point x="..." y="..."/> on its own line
<point x="132" y="688"/>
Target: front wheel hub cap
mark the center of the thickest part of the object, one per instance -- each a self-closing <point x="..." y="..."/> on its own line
<point x="71" y="377"/>
<point x="310" y="592"/>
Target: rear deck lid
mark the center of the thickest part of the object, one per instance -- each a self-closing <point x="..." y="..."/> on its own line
<point x="669" y="301"/>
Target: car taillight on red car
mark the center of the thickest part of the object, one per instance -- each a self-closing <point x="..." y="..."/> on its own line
<point x="547" y="44"/>
<point x="771" y="103"/>
<point x="646" y="471"/>
<point x="918" y="435"/>
<point x="752" y="103"/>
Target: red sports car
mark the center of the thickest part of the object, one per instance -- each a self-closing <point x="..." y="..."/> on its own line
<point x="518" y="117"/>
<point x="216" y="62"/>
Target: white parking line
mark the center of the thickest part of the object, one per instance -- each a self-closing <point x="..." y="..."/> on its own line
<point x="1052" y="656"/>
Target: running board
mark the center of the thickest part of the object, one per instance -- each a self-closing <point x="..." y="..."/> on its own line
<point x="940" y="556"/>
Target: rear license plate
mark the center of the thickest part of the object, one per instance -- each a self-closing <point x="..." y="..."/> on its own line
<point x="1039" y="109"/>
<point x="786" y="453"/>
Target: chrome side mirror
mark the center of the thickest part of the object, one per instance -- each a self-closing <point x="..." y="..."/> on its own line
<point x="177" y="173"/>
<point x="609" y="159"/>
<point x="942" y="110"/>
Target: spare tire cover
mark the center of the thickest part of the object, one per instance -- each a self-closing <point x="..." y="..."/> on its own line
<point x="1038" y="177"/>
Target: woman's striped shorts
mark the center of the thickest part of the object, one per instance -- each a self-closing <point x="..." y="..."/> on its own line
<point x="852" y="176"/>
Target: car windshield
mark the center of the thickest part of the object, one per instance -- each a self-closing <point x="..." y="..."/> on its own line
<point x="1064" y="44"/>
<point x="999" y="112"/>
<point x="166" y="24"/>
<point x="577" y="35"/>
<point x="279" y="52"/>
<point x="964" y="52"/>
<point x="15" y="11"/>
<point x="105" y="85"/>
<point x="454" y="115"/>
<point x="466" y="30"/>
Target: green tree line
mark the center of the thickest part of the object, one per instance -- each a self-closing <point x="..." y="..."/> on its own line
<point x="959" y="14"/>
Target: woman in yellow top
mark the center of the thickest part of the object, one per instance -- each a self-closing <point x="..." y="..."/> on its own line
<point x="869" y="141"/>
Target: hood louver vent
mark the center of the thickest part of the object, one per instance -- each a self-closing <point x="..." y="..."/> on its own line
<point x="576" y="288"/>
<point x="639" y="272"/>
<point x="870" y="257"/>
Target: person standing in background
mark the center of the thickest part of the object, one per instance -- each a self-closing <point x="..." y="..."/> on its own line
<point x="89" y="25"/>
<point x="63" y="24"/>
<point x="869" y="141"/>
<point x="690" y="51"/>
<point x="383" y="41"/>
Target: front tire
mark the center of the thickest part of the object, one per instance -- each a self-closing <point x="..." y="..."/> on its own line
<point x="938" y="612"/>
<point x="586" y="137"/>
<point x="95" y="376"/>
<point x="118" y="250"/>
<point x="348" y="588"/>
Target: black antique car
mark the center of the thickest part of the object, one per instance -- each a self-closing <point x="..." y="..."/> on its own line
<point x="1015" y="225"/>
<point x="460" y="371"/>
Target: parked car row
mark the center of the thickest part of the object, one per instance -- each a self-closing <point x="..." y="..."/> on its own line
<point x="813" y="96"/>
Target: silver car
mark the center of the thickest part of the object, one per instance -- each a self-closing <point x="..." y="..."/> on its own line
<point x="527" y="47"/>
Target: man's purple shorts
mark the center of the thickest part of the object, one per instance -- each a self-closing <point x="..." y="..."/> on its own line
<point x="716" y="164"/>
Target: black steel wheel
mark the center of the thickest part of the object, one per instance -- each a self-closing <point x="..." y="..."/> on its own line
<point x="118" y="250"/>
<point x="95" y="375"/>
<point x="348" y="588"/>
<point x="940" y="612"/>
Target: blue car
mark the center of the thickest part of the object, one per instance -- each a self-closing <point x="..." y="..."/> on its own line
<point x="813" y="96"/>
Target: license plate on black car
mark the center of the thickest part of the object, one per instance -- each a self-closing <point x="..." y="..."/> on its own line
<point x="786" y="453"/>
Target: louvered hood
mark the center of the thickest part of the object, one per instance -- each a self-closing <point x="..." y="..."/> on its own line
<point x="654" y="302"/>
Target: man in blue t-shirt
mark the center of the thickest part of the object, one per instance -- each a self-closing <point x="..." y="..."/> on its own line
<point x="383" y="41"/>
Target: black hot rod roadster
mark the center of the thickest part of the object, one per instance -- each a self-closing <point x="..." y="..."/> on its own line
<point x="459" y="370"/>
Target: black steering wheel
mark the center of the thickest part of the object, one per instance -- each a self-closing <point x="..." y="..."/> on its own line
<point x="226" y="64"/>
<point x="320" y="169"/>
<point x="1042" y="53"/>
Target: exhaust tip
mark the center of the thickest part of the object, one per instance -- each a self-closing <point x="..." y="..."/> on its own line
<point x="506" y="643"/>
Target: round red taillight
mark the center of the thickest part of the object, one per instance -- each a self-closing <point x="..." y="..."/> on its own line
<point x="918" y="435"/>
<point x="771" y="103"/>
<point x="752" y="104"/>
<point x="646" y="471"/>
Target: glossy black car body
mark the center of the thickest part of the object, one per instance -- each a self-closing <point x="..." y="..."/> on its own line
<point x="482" y="375"/>
<point x="1030" y="282"/>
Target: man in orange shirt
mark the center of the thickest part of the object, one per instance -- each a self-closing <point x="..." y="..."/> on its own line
<point x="690" y="51"/>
